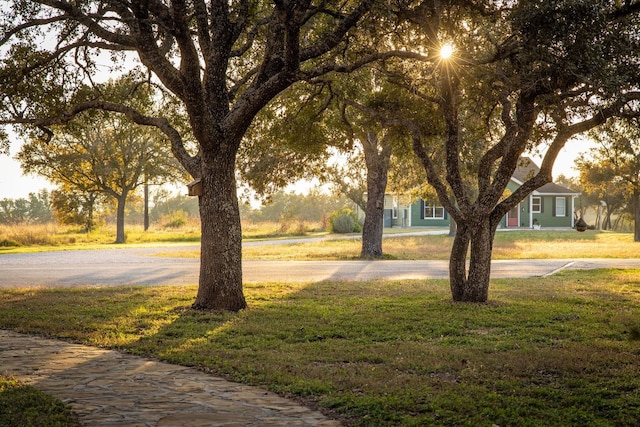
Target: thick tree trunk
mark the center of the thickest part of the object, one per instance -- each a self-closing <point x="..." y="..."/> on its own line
<point x="373" y="223"/>
<point x="458" y="262"/>
<point x="120" y="236"/>
<point x="377" y="154"/>
<point x="471" y="286"/>
<point x="220" y="283"/>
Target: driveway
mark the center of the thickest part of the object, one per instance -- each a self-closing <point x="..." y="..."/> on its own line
<point x="138" y="266"/>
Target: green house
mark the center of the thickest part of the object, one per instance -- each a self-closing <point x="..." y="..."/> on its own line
<point x="551" y="205"/>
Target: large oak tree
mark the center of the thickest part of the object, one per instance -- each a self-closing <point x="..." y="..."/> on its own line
<point x="223" y="61"/>
<point x="519" y="76"/>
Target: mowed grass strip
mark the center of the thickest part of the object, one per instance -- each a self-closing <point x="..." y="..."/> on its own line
<point x="562" y="350"/>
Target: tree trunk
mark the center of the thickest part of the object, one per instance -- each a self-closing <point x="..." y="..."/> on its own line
<point x="220" y="283"/>
<point x="120" y="236"/>
<point x="89" y="205"/>
<point x="474" y="285"/>
<point x="377" y="161"/>
<point x="458" y="262"/>
<point x="373" y="223"/>
<point x="453" y="227"/>
<point x="606" y="225"/>
<point x="636" y="214"/>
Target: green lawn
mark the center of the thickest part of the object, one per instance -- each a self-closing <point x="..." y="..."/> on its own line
<point x="24" y="406"/>
<point x="563" y="350"/>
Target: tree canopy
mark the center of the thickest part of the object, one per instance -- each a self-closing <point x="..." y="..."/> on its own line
<point x="221" y="61"/>
<point x="520" y="75"/>
<point x="99" y="153"/>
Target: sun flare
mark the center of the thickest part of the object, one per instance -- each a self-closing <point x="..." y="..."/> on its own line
<point x="446" y="51"/>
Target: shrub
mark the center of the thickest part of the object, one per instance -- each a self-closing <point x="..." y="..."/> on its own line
<point x="343" y="223"/>
<point x="8" y="243"/>
<point x="176" y="219"/>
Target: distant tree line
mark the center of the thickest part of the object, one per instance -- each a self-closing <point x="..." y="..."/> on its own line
<point x="282" y="207"/>
<point x="286" y="207"/>
<point x="71" y="209"/>
<point x="35" y="209"/>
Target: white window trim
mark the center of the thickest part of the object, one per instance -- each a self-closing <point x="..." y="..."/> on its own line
<point x="539" y="210"/>
<point x="433" y="209"/>
<point x="394" y="207"/>
<point x="563" y="205"/>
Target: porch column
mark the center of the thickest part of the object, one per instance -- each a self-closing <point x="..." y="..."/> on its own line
<point x="530" y="210"/>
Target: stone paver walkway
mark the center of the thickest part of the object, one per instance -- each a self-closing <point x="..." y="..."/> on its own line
<point x="109" y="388"/>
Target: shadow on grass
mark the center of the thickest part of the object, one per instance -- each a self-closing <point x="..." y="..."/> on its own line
<point x="549" y="351"/>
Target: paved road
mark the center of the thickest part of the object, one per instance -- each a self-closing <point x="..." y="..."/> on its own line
<point x="139" y="266"/>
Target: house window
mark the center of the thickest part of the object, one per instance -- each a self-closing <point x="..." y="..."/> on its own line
<point x="536" y="204"/>
<point x="433" y="212"/>
<point x="561" y="206"/>
<point x="395" y="207"/>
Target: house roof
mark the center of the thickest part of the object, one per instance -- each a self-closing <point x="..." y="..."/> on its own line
<point x="526" y="169"/>
<point x="553" y="188"/>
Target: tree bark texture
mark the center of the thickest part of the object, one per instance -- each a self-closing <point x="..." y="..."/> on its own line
<point x="377" y="160"/>
<point x="636" y="214"/>
<point x="220" y="282"/>
<point x="477" y="240"/>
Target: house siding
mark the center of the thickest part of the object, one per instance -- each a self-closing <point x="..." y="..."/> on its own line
<point x="417" y="219"/>
<point x="548" y="218"/>
<point x="411" y="214"/>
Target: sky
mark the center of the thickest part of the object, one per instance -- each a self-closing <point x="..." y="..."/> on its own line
<point x="14" y="185"/>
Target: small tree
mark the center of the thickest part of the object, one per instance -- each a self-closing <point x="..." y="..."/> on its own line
<point x="102" y="153"/>
<point x="71" y="206"/>
<point x="619" y="156"/>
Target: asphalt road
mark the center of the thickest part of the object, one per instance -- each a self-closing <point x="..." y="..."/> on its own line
<point x="138" y="266"/>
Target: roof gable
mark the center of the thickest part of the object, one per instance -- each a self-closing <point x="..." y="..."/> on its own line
<point x="527" y="169"/>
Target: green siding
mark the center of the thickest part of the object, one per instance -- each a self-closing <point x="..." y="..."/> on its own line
<point x="416" y="221"/>
<point x="546" y="218"/>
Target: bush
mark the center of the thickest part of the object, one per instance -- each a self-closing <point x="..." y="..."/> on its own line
<point x="177" y="219"/>
<point x="8" y="243"/>
<point x="343" y="224"/>
<point x="344" y="221"/>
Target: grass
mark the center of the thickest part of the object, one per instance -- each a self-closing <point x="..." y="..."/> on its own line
<point x="39" y="237"/>
<point x="43" y="237"/>
<point x="507" y="245"/>
<point x="561" y="350"/>
<point x="25" y="406"/>
<point x="525" y="244"/>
